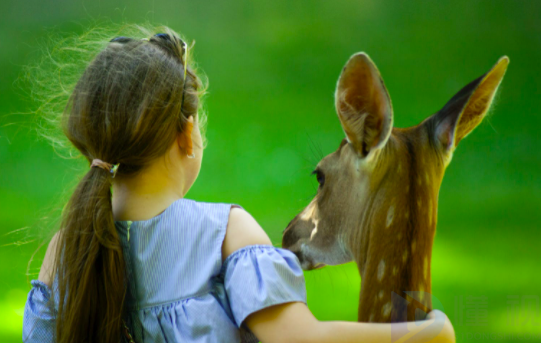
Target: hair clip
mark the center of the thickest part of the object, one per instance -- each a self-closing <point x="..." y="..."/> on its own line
<point x="120" y="39"/>
<point x="114" y="169"/>
<point x="162" y="35"/>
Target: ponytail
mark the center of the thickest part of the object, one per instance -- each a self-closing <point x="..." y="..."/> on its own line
<point x="91" y="275"/>
<point x="127" y="106"/>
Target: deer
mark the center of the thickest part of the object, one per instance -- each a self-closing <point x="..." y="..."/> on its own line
<point x="377" y="198"/>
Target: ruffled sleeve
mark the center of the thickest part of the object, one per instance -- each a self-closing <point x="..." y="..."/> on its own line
<point x="39" y="318"/>
<point x="259" y="276"/>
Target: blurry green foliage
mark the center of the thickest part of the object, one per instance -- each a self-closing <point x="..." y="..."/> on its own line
<point x="272" y="68"/>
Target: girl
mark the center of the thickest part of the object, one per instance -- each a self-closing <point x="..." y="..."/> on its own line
<point x="145" y="264"/>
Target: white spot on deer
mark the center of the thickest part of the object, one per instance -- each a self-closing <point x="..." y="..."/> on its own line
<point x="380" y="295"/>
<point x="386" y="310"/>
<point x="309" y="211"/>
<point x="413" y="246"/>
<point x="390" y="215"/>
<point x="314" y="230"/>
<point x="381" y="270"/>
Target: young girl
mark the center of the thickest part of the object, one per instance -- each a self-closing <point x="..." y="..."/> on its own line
<point x="145" y="264"/>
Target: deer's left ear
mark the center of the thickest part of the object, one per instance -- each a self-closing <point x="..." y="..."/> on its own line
<point x="363" y="105"/>
<point x="467" y="108"/>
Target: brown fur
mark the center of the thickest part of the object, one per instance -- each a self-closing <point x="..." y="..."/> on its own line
<point x="378" y="203"/>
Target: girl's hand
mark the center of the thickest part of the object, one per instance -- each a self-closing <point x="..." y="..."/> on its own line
<point x="448" y="332"/>
<point x="435" y="313"/>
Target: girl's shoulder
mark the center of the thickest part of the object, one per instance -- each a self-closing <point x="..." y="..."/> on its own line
<point x="242" y="230"/>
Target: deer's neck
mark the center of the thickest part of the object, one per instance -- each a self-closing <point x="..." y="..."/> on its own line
<point x="394" y="250"/>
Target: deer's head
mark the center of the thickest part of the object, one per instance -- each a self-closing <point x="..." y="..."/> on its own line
<point x="378" y="191"/>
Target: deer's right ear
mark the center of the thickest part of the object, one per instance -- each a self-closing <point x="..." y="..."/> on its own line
<point x="363" y="105"/>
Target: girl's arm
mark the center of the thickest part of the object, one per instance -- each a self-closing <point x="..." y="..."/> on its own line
<point x="294" y="323"/>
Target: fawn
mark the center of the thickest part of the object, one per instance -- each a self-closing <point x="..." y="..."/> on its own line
<point x="378" y="193"/>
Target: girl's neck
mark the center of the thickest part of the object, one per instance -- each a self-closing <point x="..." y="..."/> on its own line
<point x="145" y="195"/>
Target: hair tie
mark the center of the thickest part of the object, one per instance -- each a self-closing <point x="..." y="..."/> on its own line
<point x="112" y="168"/>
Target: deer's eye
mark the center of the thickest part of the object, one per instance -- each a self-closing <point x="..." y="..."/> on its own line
<point x="320" y="177"/>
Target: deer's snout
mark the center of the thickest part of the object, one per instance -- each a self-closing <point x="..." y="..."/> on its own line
<point x="307" y="237"/>
<point x="289" y="235"/>
<point x="295" y="237"/>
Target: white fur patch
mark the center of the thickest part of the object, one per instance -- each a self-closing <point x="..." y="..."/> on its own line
<point x="390" y="215"/>
<point x="309" y="211"/>
<point x="381" y="270"/>
<point x="314" y="231"/>
<point x="386" y="310"/>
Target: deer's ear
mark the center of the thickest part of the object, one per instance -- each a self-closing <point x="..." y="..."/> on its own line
<point x="468" y="107"/>
<point x="363" y="105"/>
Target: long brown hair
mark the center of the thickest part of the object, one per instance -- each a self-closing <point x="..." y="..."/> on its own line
<point x="125" y="108"/>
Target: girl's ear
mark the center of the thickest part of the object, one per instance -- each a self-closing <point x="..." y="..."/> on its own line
<point x="184" y="139"/>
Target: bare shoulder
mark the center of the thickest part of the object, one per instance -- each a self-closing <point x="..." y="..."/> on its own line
<point x="47" y="267"/>
<point x="242" y="230"/>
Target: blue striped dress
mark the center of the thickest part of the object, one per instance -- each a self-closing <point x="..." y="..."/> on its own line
<point x="179" y="290"/>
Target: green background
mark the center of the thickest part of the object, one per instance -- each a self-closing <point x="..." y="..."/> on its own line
<point x="272" y="67"/>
